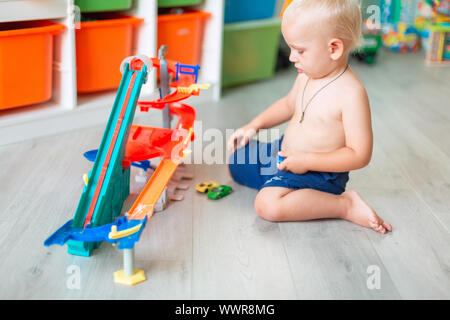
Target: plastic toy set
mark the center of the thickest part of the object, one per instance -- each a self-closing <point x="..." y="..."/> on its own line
<point x="371" y="43"/>
<point x="435" y="30"/>
<point x="401" y="38"/>
<point x="399" y="33"/>
<point x="411" y="24"/>
<point x="123" y="144"/>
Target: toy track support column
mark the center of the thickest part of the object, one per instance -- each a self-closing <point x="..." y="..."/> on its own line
<point x="129" y="276"/>
<point x="164" y="84"/>
<point x="164" y="91"/>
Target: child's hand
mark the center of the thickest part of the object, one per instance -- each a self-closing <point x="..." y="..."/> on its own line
<point x="241" y="137"/>
<point x="294" y="162"/>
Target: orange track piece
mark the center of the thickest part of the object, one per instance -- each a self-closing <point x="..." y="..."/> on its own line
<point x="146" y="201"/>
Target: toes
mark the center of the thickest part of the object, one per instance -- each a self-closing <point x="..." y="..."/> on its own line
<point x="381" y="229"/>
<point x="387" y="226"/>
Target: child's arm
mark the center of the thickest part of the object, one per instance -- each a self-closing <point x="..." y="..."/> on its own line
<point x="278" y="113"/>
<point x="358" y="137"/>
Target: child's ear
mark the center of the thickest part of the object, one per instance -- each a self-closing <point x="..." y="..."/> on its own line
<point x="336" y="48"/>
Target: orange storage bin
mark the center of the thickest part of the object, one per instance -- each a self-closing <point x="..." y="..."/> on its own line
<point x="101" y="45"/>
<point x="183" y="35"/>
<point x="26" y="59"/>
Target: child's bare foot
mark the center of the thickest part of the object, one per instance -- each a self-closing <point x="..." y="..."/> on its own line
<point x="362" y="214"/>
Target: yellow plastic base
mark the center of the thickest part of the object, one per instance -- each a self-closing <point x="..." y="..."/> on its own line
<point x="121" y="278"/>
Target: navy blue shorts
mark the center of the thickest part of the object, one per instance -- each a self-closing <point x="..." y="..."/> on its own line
<point x="255" y="166"/>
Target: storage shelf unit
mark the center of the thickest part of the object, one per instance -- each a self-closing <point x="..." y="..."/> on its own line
<point x="67" y="110"/>
<point x="22" y="10"/>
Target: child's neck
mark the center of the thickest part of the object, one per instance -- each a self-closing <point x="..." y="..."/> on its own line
<point x="337" y="70"/>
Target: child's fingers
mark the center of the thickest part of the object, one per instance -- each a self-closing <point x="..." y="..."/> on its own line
<point x="237" y="143"/>
<point x="281" y="166"/>
<point x="232" y="142"/>
<point x="243" y="141"/>
<point x="230" y="145"/>
<point x="284" y="154"/>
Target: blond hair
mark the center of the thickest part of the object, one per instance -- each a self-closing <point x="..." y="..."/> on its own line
<point x="344" y="17"/>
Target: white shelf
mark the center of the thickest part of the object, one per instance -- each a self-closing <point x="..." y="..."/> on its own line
<point x="67" y="110"/>
<point x="22" y="10"/>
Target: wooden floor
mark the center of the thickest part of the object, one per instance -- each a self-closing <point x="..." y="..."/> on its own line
<point x="202" y="249"/>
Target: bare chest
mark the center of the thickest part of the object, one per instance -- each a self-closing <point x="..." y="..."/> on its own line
<point x="316" y="127"/>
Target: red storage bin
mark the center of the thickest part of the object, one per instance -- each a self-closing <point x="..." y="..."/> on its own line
<point x="101" y="46"/>
<point x="183" y="35"/>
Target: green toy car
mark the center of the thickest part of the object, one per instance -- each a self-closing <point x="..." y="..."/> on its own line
<point x="219" y="192"/>
<point x="370" y="45"/>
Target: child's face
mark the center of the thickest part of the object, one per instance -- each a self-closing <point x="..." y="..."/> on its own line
<point x="310" y="51"/>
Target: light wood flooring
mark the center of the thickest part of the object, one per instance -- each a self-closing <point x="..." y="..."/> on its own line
<point x="203" y="249"/>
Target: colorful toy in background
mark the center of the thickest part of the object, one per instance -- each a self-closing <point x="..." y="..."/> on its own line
<point x="443" y="7"/>
<point x="402" y="38"/>
<point x="433" y="23"/>
<point x="395" y="11"/>
<point x="408" y="11"/>
<point x="438" y="51"/>
<point x="399" y="33"/>
<point x="108" y="184"/>
<point x="390" y="11"/>
<point x="438" y="7"/>
<point x="371" y="43"/>
<point x="446" y="54"/>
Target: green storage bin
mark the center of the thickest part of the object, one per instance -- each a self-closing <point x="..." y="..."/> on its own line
<point x="178" y="3"/>
<point x="250" y="50"/>
<point x="103" y="5"/>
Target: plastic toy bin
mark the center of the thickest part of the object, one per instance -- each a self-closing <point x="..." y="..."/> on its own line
<point x="178" y="3"/>
<point x="245" y="10"/>
<point x="26" y="60"/>
<point x="183" y="35"/>
<point x="250" y="51"/>
<point x="103" y="5"/>
<point x="102" y="43"/>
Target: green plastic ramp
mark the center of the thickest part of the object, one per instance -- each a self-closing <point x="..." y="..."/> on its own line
<point x="109" y="183"/>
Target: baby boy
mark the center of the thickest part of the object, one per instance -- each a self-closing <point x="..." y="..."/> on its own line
<point x="329" y="131"/>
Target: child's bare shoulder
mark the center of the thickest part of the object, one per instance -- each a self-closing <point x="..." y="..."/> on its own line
<point x="352" y="91"/>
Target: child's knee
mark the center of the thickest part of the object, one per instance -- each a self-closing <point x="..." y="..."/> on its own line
<point x="268" y="207"/>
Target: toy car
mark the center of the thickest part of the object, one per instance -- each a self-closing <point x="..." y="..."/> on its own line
<point x="219" y="192"/>
<point x="370" y="45"/>
<point x="204" y="187"/>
